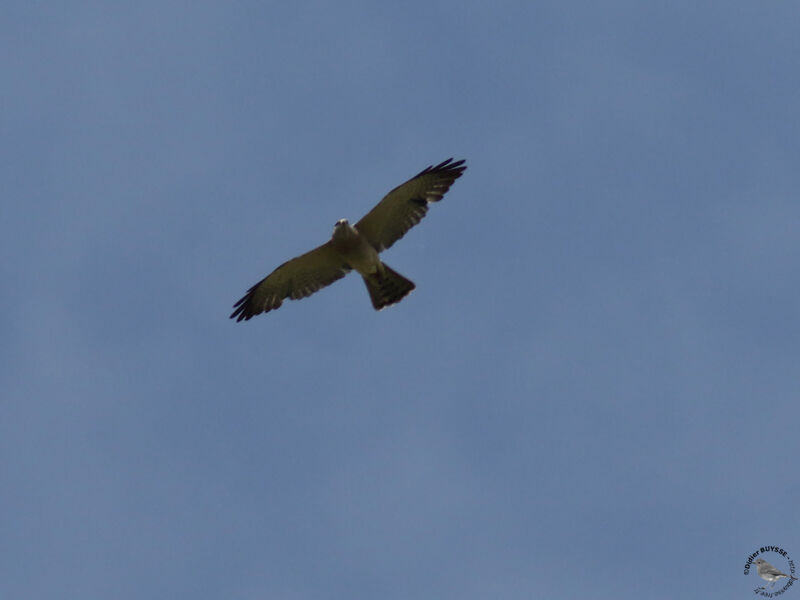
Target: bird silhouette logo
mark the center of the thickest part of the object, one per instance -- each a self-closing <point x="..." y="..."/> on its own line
<point x="773" y="575"/>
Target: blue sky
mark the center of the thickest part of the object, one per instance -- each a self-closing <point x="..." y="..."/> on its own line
<point x="592" y="392"/>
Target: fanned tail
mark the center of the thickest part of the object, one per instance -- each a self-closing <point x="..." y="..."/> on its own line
<point x="387" y="288"/>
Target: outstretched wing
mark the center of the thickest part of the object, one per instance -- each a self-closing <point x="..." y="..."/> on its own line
<point x="405" y="205"/>
<point x="294" y="279"/>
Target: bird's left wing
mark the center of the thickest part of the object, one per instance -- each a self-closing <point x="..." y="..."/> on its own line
<point x="294" y="279"/>
<point x="407" y="204"/>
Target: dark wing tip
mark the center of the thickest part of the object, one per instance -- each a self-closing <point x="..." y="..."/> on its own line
<point x="242" y="311"/>
<point x="447" y="167"/>
<point x="244" y="306"/>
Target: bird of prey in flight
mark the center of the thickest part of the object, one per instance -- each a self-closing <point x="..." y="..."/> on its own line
<point x="356" y="247"/>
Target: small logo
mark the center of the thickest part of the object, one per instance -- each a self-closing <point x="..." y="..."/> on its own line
<point x="779" y="567"/>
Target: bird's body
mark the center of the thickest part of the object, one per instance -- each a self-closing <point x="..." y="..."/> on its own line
<point x="769" y="573"/>
<point x="356" y="247"/>
<point x="384" y="285"/>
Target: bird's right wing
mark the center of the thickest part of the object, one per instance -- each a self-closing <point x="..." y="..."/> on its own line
<point x="407" y="204"/>
<point x="294" y="279"/>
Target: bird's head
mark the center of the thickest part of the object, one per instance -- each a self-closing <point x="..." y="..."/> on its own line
<point x="343" y="230"/>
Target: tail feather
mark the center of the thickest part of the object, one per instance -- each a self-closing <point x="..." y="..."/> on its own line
<point x="387" y="288"/>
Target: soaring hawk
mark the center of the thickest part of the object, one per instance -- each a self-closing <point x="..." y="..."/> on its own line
<point x="356" y="247"/>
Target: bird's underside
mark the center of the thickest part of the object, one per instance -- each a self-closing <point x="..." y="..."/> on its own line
<point x="356" y="247"/>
